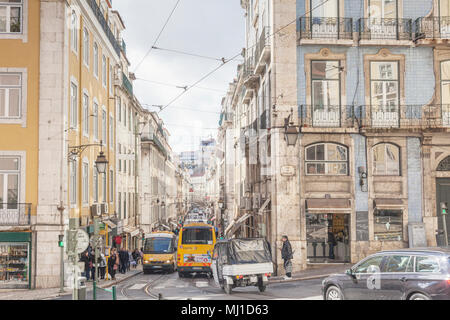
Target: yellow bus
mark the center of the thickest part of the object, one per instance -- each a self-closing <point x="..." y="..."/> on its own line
<point x="160" y="250"/>
<point x="195" y="247"/>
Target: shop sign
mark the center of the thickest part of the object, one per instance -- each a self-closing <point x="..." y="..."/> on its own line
<point x="287" y="171"/>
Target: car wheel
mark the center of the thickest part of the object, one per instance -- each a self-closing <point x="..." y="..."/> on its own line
<point x="228" y="288"/>
<point x="334" y="293"/>
<point x="419" y="296"/>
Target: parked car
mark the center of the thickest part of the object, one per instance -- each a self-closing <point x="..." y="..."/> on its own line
<point x="407" y="274"/>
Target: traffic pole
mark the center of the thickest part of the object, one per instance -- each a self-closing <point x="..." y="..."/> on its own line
<point x="114" y="293"/>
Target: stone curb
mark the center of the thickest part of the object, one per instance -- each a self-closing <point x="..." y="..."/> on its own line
<point x="90" y="287"/>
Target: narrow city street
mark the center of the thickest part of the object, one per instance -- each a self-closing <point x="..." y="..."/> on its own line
<point x="199" y="287"/>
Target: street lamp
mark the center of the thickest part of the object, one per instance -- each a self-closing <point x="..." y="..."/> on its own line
<point x="290" y="131"/>
<point x="101" y="163"/>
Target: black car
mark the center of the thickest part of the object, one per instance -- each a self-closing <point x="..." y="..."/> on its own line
<point x="407" y="274"/>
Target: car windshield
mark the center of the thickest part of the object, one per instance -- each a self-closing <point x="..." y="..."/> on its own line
<point x="371" y="265"/>
<point x="197" y="236"/>
<point x="158" y="245"/>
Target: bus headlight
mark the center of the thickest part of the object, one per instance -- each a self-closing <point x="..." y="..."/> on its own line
<point x="168" y="261"/>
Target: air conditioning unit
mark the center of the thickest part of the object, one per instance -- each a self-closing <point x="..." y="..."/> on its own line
<point x="104" y="208"/>
<point x="96" y="210"/>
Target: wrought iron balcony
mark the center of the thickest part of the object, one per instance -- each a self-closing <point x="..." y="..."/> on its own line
<point x="404" y="116"/>
<point x="15" y="214"/>
<point x="432" y="28"/>
<point x="385" y="29"/>
<point x="127" y="84"/>
<point x="151" y="137"/>
<point x="101" y="19"/>
<point x="321" y="116"/>
<point x="224" y="117"/>
<point x="326" y="28"/>
<point x="262" y="50"/>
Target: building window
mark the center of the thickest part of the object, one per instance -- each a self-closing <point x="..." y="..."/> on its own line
<point x="85" y="183"/>
<point x="74" y="27"/>
<point x="326" y="159"/>
<point x="388" y="225"/>
<point x="95" y="120"/>
<point x="104" y="71"/>
<point x="96" y="59"/>
<point x="111" y="73"/>
<point x="321" y="9"/>
<point x="11" y="16"/>
<point x="10" y="95"/>
<point x="86" y="46"/>
<point x="9" y="182"/>
<point x="111" y="132"/>
<point x="104" y="128"/>
<point x="445" y="92"/>
<point x="326" y="92"/>
<point x="95" y="184"/>
<point x="125" y="115"/>
<point x="385" y="95"/>
<point x="119" y="200"/>
<point x="85" y="114"/>
<point x="386" y="160"/>
<point x="111" y="186"/>
<point x="105" y="188"/>
<point x="383" y="9"/>
<point x="119" y="109"/>
<point x="73" y="182"/>
<point x="73" y="105"/>
<point x="124" y="205"/>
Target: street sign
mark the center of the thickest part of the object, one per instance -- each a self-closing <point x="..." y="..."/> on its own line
<point x="82" y="241"/>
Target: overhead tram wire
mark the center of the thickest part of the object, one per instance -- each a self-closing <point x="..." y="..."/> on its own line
<point x="159" y="35"/>
<point x="237" y="55"/>
<point x="189" y="54"/>
<point x="180" y="107"/>
<point x="179" y="87"/>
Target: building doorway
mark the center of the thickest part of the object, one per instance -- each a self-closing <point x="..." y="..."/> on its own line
<point x="442" y="195"/>
<point x="327" y="237"/>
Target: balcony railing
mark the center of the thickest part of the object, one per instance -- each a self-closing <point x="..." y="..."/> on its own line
<point x="327" y="116"/>
<point x="249" y="66"/>
<point x="127" y="84"/>
<point x="405" y="116"/>
<point x="326" y="28"/>
<point x="387" y="117"/>
<point x="151" y="137"/>
<point x="262" y="44"/>
<point x="432" y="28"/>
<point x="385" y="29"/>
<point x="15" y="214"/>
<point x="225" y="116"/>
<point x="101" y="19"/>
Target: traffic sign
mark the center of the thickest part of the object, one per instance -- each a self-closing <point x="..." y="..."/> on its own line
<point x="82" y="241"/>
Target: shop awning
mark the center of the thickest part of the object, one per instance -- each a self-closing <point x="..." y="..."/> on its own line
<point x="135" y="232"/>
<point x="328" y="205"/>
<point x="388" y="204"/>
<point x="111" y="224"/>
<point x="127" y="229"/>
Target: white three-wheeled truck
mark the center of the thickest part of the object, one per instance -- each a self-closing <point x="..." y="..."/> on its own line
<point x="242" y="263"/>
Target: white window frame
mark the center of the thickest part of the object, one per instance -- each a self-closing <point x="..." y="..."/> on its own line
<point x="96" y="54"/>
<point x="6" y="174"/>
<point x="73" y="105"/>
<point x="95" y="184"/>
<point x="7" y="89"/>
<point x="85" y="104"/>
<point x="74" y="26"/>
<point x="22" y="155"/>
<point x="95" y="109"/>
<point x="111" y="185"/>
<point x="104" y="126"/>
<point x="386" y="161"/>
<point x="327" y="162"/>
<point x="22" y="118"/>
<point x="105" y="187"/>
<point x="85" y="182"/>
<point x="23" y="34"/>
<point x="111" y="73"/>
<point x="104" y="71"/>
<point x="86" y="46"/>
<point x="73" y="183"/>
<point x="111" y="132"/>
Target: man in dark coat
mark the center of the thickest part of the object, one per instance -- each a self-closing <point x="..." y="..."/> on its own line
<point x="286" y="255"/>
<point x="123" y="258"/>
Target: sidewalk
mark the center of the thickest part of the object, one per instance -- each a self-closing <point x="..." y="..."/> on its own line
<point x="314" y="271"/>
<point x="42" y="294"/>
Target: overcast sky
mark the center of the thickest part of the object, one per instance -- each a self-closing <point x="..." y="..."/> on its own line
<point x="213" y="28"/>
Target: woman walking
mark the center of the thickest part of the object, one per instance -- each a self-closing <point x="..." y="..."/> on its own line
<point x="286" y="255"/>
<point x="113" y="264"/>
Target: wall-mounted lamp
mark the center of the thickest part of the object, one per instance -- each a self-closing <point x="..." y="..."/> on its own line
<point x="363" y="178"/>
<point x="290" y="131"/>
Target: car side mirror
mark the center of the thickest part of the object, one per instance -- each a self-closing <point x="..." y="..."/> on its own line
<point x="350" y="273"/>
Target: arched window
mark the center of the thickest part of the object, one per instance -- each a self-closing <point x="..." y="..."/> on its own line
<point x="86" y="46"/>
<point x="386" y="160"/>
<point x="444" y="165"/>
<point x="326" y="159"/>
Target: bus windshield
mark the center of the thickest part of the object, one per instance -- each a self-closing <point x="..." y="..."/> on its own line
<point x="197" y="236"/>
<point x="158" y="245"/>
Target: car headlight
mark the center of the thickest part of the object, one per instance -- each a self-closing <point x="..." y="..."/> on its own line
<point x="168" y="261"/>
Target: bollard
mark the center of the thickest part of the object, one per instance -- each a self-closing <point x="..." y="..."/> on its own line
<point x="94" y="290"/>
<point x="114" y="293"/>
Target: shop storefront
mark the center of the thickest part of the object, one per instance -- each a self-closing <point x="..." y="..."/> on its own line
<point x="15" y="260"/>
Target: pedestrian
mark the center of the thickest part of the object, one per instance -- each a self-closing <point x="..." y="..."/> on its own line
<point x="130" y="260"/>
<point x="102" y="266"/>
<point x="331" y="243"/>
<point x="86" y="258"/>
<point x="123" y="260"/>
<point x="113" y="264"/>
<point x="286" y="255"/>
<point x="136" y="257"/>
<point x="141" y="255"/>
